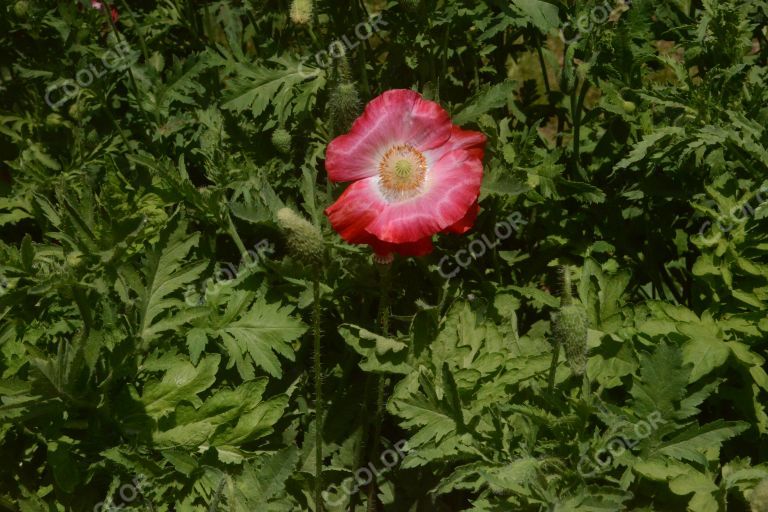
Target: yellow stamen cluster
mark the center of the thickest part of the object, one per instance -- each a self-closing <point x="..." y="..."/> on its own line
<point x="402" y="171"/>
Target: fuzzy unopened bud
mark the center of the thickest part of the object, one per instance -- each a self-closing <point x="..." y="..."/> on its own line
<point x="157" y="61"/>
<point x="281" y="139"/>
<point x="304" y="240"/>
<point x="75" y="259"/>
<point x="344" y="107"/>
<point x="21" y="9"/>
<point x="570" y="326"/>
<point x="301" y="12"/>
<point x="570" y="330"/>
<point x="342" y="67"/>
<point x="758" y="500"/>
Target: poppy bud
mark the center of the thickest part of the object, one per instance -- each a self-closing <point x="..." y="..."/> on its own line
<point x="74" y="259"/>
<point x="569" y="327"/>
<point x="301" y="12"/>
<point x="157" y="61"/>
<point x="758" y="500"/>
<point x="281" y="139"/>
<point x="344" y="106"/>
<point x="21" y="9"/>
<point x="304" y="239"/>
<point x="628" y="107"/>
<point x="53" y="120"/>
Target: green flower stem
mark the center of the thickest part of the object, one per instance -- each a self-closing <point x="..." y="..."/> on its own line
<point x="543" y="66"/>
<point x="586" y="388"/>
<point x="137" y="27"/>
<point x="553" y="366"/>
<point x="232" y="230"/>
<point x="132" y="79"/>
<point x="566" y="297"/>
<point x="385" y="273"/>
<point x="443" y="60"/>
<point x="318" y="396"/>
<point x="360" y="11"/>
<point x="578" y="107"/>
<point x="217" y="495"/>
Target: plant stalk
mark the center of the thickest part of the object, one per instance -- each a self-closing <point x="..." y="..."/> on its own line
<point x="318" y="396"/>
<point x="386" y="282"/>
<point x="553" y="366"/>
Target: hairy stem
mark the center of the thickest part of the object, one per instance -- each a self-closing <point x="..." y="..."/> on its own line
<point x="544" y="73"/>
<point x="553" y="367"/>
<point x="578" y="107"/>
<point x="217" y="495"/>
<point x="318" y="396"/>
<point x="386" y="281"/>
<point x="232" y="230"/>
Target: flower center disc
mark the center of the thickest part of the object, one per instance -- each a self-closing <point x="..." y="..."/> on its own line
<point x="402" y="171"/>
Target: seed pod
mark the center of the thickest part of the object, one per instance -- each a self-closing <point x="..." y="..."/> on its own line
<point x="570" y="330"/>
<point x="304" y="239"/>
<point x="281" y="139"/>
<point x="157" y="61"/>
<point x="21" y="9"/>
<point x="758" y="500"/>
<point x="569" y="327"/>
<point x="344" y="106"/>
<point x="74" y="259"/>
<point x="53" y="120"/>
<point x="301" y="12"/>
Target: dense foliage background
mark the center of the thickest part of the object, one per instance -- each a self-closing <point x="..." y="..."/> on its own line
<point x="155" y="347"/>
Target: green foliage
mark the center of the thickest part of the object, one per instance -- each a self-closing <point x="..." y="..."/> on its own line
<point x="153" y="321"/>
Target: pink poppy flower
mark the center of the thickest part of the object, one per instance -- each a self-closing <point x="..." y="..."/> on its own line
<point x="413" y="174"/>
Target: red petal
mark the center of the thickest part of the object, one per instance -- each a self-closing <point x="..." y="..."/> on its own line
<point x="355" y="209"/>
<point x="469" y="140"/>
<point x="453" y="185"/>
<point x="466" y="223"/>
<point x="418" y="248"/>
<point x="399" y="116"/>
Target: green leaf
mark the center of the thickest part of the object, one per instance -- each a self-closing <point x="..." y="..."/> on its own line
<point x="662" y="382"/>
<point x="182" y="382"/>
<point x="694" y="443"/>
<point x="542" y="15"/>
<point x="380" y="354"/>
<point x="166" y="275"/>
<point x="486" y="100"/>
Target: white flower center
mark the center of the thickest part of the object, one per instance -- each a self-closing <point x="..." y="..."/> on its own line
<point x="402" y="171"/>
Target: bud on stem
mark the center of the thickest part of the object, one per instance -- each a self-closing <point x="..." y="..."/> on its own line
<point x="758" y="500"/>
<point x="304" y="240"/>
<point x="301" y="12"/>
<point x="281" y="139"/>
<point x="570" y="326"/>
<point x="344" y="107"/>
